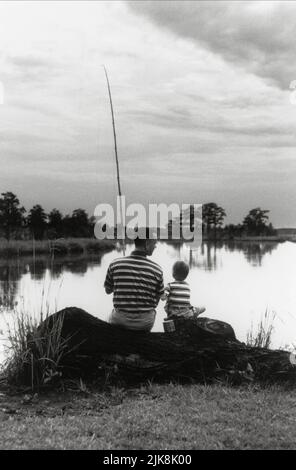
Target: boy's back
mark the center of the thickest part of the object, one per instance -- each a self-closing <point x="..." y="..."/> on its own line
<point x="178" y="294"/>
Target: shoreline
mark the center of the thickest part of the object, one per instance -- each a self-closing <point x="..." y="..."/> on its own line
<point x="91" y="246"/>
<point x="59" y="248"/>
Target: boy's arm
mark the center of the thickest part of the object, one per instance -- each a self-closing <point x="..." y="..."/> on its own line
<point x="166" y="292"/>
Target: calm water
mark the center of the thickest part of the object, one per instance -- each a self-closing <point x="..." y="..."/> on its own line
<point x="236" y="283"/>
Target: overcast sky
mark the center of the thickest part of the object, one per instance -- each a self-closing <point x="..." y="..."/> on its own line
<point x="201" y="96"/>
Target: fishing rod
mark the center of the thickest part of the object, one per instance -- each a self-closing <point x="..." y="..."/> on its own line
<point x="116" y="156"/>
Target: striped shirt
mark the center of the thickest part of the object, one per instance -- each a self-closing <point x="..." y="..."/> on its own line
<point x="178" y="294"/>
<point x="136" y="283"/>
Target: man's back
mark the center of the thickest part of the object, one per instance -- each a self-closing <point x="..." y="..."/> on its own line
<point x="136" y="282"/>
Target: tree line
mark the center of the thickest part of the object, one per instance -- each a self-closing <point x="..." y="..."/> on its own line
<point x="16" y="222"/>
<point x="255" y="223"/>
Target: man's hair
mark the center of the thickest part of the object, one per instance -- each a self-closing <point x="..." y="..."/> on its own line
<point x="180" y="270"/>
<point x="140" y="241"/>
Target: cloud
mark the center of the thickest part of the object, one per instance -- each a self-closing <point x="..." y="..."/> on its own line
<point x="187" y="122"/>
<point x="197" y="111"/>
<point x="256" y="35"/>
<point x="28" y="61"/>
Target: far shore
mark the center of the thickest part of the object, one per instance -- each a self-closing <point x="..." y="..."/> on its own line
<point x="272" y="239"/>
<point x="245" y="239"/>
<point x="89" y="246"/>
<point x="59" y="247"/>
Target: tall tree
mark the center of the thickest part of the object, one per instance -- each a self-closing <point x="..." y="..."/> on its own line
<point x="232" y="230"/>
<point x="77" y="225"/>
<point x="255" y="223"/>
<point x="37" y="221"/>
<point x="91" y="224"/>
<point x="80" y="223"/>
<point x="213" y="217"/>
<point x="55" y="223"/>
<point x="11" y="214"/>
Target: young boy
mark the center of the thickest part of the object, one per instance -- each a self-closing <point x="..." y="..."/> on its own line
<point x="177" y="294"/>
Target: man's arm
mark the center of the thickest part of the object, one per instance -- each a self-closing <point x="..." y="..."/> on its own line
<point x="166" y="293"/>
<point x="108" y="284"/>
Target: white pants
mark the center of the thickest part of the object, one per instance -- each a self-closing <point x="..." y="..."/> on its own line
<point x="133" y="321"/>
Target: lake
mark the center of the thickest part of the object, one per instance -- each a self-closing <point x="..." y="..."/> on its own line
<point x="236" y="283"/>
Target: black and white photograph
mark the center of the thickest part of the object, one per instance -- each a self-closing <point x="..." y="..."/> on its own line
<point x="147" y="227"/>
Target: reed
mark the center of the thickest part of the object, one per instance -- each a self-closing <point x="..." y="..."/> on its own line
<point x="35" y="347"/>
<point x="261" y="338"/>
<point x="34" y="352"/>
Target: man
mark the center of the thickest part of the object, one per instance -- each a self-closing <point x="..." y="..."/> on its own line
<point x="137" y="285"/>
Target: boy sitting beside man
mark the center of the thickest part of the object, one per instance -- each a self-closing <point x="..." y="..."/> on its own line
<point x="177" y="295"/>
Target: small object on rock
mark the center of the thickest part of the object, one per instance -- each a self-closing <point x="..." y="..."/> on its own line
<point x="169" y="326"/>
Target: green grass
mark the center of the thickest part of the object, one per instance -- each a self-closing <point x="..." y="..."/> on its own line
<point x="62" y="246"/>
<point x="155" y="417"/>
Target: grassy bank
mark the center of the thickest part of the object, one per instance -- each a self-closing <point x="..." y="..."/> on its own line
<point x="239" y="240"/>
<point x="249" y="239"/>
<point x="70" y="246"/>
<point x="63" y="247"/>
<point x="151" y="417"/>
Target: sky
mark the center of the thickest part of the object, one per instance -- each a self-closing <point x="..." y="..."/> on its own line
<point x="201" y="93"/>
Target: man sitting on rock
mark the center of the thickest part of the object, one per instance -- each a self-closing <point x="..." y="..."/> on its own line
<point x="137" y="285"/>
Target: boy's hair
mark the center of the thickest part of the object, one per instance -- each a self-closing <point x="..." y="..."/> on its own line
<point x="180" y="270"/>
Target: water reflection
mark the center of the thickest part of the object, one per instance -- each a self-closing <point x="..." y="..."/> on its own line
<point x="210" y="255"/>
<point x="10" y="274"/>
<point x="56" y="270"/>
<point x="253" y="251"/>
<point x="205" y="257"/>
<point x="12" y="270"/>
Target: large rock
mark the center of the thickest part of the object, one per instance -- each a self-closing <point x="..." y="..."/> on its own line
<point x="204" y="350"/>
